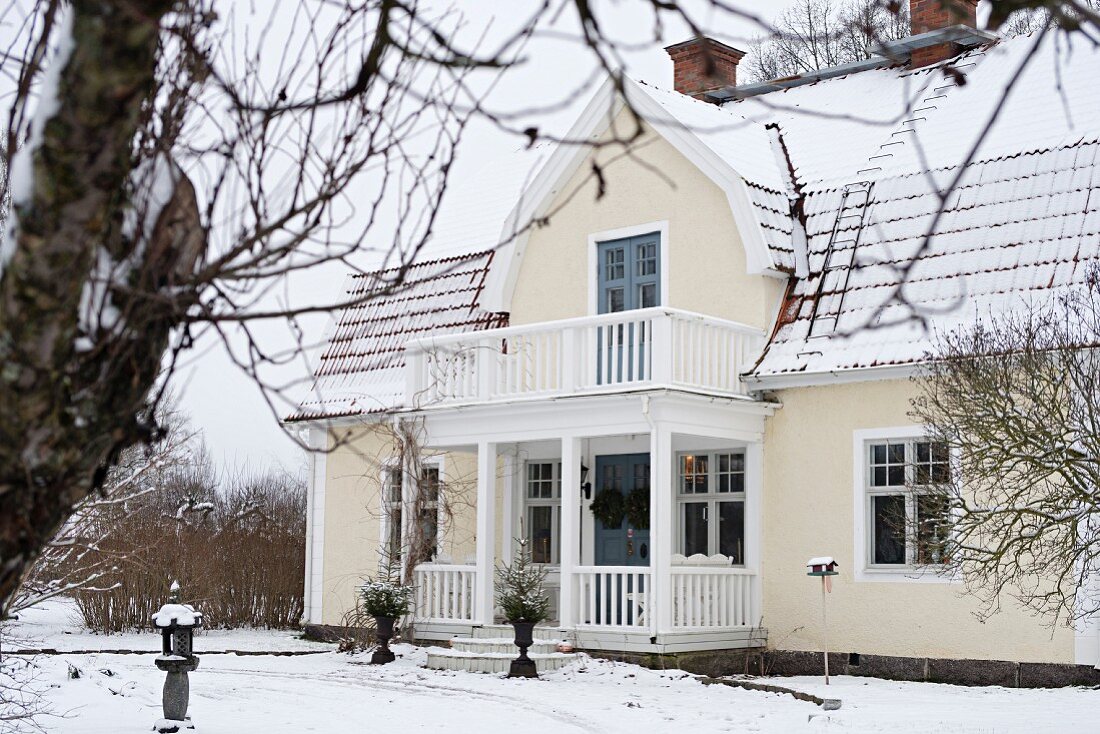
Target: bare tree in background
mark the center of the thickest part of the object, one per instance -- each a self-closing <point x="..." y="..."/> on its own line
<point x="1016" y="399"/>
<point x="817" y="34"/>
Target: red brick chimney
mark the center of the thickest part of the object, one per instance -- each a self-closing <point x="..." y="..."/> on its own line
<point x="931" y="15"/>
<point x="701" y="66"/>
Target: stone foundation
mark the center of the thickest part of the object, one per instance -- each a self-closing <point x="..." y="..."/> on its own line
<point x="934" y="670"/>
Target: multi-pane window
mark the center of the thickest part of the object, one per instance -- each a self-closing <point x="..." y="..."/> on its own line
<point x="711" y="504"/>
<point x="543" y="499"/>
<point x="393" y="508"/>
<point x="392" y="513"/>
<point x="429" y="511"/>
<point x="908" y="516"/>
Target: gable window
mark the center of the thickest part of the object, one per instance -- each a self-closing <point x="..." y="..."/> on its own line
<point x="543" y="510"/>
<point x="629" y="273"/>
<point x="908" y="518"/>
<point x="711" y="504"/>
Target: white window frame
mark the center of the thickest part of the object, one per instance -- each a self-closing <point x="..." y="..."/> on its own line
<point x="713" y="498"/>
<point x="861" y="509"/>
<point x="553" y="502"/>
<point x="406" y="501"/>
<point x="594" y="240"/>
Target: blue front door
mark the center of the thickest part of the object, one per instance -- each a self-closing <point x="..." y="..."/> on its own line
<point x="624" y="545"/>
<point x="629" y="278"/>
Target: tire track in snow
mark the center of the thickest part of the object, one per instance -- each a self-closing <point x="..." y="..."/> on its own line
<point x="423" y="688"/>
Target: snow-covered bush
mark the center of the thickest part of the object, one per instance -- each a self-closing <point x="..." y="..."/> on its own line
<point x="519" y="588"/>
<point x="384" y="598"/>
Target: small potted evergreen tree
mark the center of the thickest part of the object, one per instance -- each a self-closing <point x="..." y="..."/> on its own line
<point x="520" y="595"/>
<point x="387" y="601"/>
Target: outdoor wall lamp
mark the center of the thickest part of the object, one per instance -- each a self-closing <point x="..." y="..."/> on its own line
<point x="586" y="487"/>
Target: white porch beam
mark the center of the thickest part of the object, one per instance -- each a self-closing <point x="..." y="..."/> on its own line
<point x="486" y="531"/>
<point x="661" y="538"/>
<point x="570" y="525"/>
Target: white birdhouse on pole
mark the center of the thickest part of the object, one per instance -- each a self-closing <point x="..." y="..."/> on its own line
<point x="825" y="567"/>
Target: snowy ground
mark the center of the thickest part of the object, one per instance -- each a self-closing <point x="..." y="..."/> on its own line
<point x="333" y="692"/>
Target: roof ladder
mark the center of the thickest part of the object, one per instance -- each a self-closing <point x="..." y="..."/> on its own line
<point x="840" y="258"/>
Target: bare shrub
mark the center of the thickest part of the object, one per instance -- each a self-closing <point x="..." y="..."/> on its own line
<point x="238" y="551"/>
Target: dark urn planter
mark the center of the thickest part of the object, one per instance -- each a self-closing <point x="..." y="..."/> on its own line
<point x="523" y="666"/>
<point x="383" y="630"/>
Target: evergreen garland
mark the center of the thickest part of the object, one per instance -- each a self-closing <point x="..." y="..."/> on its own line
<point x="519" y="588"/>
<point x="609" y="507"/>
<point x="637" y="508"/>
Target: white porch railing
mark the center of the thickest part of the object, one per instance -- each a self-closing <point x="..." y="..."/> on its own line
<point x="444" y="593"/>
<point x="605" y="353"/>
<point x="712" y="597"/>
<point x="611" y="596"/>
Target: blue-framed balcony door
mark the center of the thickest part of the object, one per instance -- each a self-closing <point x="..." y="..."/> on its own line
<point x="629" y="278"/>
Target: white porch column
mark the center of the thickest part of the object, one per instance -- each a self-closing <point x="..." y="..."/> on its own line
<point x="486" y="531"/>
<point x="570" y="525"/>
<point x="508" y="511"/>
<point x="754" y="522"/>
<point x="661" y="538"/>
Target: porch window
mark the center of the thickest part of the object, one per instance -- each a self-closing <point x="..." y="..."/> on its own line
<point x="543" y="513"/>
<point x="393" y="512"/>
<point x="711" y="504"/>
<point x="909" y="519"/>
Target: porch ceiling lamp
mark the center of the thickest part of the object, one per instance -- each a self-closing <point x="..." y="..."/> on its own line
<point x="825" y="567"/>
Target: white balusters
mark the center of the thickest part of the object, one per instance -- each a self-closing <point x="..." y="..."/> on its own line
<point x="605" y="353"/>
<point x="611" y="596"/>
<point x="444" y="593"/>
<point x="712" y="597"/>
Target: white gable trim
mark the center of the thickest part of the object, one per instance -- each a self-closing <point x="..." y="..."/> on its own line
<point x="567" y="159"/>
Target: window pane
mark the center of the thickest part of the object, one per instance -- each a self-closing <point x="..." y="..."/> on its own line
<point x="540" y="481"/>
<point x="647" y="295"/>
<point x="540" y="533"/>
<point x="393" y="485"/>
<point x="693" y="474"/>
<point x="614" y="263"/>
<point x="695" y="527"/>
<point x="932" y="527"/>
<point x="429" y="532"/>
<point x="932" y="462"/>
<point x="429" y="483"/>
<point x="887" y="465"/>
<point x="731" y="472"/>
<point x="731" y="530"/>
<point x="888" y="529"/>
<point x="646" y="259"/>
<point x="615" y="302"/>
<point x="393" y="528"/>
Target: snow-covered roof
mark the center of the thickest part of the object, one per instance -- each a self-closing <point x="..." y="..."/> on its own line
<point x="362" y="367"/>
<point x="1023" y="222"/>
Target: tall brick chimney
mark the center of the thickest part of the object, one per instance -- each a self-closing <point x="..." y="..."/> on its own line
<point x="701" y="66"/>
<point x="931" y="15"/>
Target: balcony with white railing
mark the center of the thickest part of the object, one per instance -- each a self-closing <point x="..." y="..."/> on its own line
<point x="629" y="350"/>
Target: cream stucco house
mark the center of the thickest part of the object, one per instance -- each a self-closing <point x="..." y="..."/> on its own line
<point x="717" y="339"/>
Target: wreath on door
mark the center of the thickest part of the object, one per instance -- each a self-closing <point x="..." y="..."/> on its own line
<point x="609" y="507"/>
<point x="637" y="508"/>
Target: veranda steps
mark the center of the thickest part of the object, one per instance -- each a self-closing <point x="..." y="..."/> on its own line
<point x="490" y="649"/>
